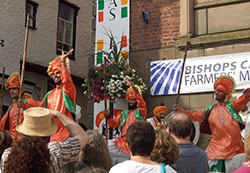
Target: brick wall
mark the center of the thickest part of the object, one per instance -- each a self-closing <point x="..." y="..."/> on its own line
<point x="163" y="26"/>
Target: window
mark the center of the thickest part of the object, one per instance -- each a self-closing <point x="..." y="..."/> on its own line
<point x="31" y="9"/>
<point x="66" y="31"/>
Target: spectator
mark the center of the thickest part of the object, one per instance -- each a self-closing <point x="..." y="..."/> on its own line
<point x="91" y="169"/>
<point x="39" y="122"/>
<point x="140" y="139"/>
<point x="191" y="158"/>
<point x="166" y="150"/>
<point x="246" y="165"/>
<point x="29" y="155"/>
<point x="72" y="167"/>
<point x="5" y="141"/>
<point x="96" y="153"/>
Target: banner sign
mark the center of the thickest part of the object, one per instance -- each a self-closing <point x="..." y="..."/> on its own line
<point x="199" y="73"/>
<point x="112" y="17"/>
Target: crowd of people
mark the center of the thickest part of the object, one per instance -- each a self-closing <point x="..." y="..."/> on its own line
<point x="44" y="137"/>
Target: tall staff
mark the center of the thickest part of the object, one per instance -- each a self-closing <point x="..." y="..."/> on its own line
<point x="188" y="44"/>
<point x="1" y="101"/>
<point x="23" y="67"/>
<point x="105" y="99"/>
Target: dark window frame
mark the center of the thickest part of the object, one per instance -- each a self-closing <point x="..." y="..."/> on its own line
<point x="75" y="9"/>
<point x="35" y="6"/>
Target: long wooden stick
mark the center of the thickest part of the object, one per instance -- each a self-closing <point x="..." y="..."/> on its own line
<point x="1" y="98"/>
<point x="183" y="65"/>
<point x="23" y="69"/>
<point x="105" y="99"/>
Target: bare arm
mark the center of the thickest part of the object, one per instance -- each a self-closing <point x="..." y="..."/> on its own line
<point x="73" y="128"/>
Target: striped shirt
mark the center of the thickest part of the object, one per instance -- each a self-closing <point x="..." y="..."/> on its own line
<point x="60" y="153"/>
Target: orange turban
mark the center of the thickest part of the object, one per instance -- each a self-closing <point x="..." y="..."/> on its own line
<point x="160" y="109"/>
<point x="13" y="81"/>
<point x="225" y="84"/>
<point x="131" y="93"/>
<point x="56" y="65"/>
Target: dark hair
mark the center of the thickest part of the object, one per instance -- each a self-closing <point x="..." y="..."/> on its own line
<point x="5" y="141"/>
<point x="91" y="169"/>
<point x="30" y="154"/>
<point x="140" y="137"/>
<point x="96" y="153"/>
<point x="180" y="125"/>
<point x="72" y="167"/>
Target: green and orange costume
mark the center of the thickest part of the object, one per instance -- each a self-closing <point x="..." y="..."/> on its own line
<point x="62" y="98"/>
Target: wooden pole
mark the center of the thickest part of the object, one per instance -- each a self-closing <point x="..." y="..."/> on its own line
<point x="183" y="65"/>
<point x="105" y="99"/>
<point x="23" y="68"/>
<point x="1" y="101"/>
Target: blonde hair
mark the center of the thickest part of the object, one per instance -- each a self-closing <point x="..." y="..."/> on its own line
<point x="166" y="150"/>
<point x="247" y="148"/>
<point x="96" y="153"/>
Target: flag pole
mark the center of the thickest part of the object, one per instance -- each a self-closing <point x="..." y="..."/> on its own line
<point x="23" y="68"/>
<point x="188" y="44"/>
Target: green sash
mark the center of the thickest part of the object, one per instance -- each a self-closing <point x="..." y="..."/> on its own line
<point x="230" y="109"/>
<point x="232" y="112"/>
<point x="138" y="116"/>
<point x="70" y="105"/>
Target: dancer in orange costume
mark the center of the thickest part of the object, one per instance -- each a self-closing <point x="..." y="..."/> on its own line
<point x="222" y="122"/>
<point x="137" y="111"/>
<point x="8" y="122"/>
<point x="63" y="97"/>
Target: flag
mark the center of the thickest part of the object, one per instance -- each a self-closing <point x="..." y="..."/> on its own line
<point x="165" y="77"/>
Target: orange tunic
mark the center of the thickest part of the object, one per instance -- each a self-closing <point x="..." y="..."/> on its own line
<point x="13" y="117"/>
<point x="55" y="101"/>
<point x="226" y="139"/>
<point x="114" y="123"/>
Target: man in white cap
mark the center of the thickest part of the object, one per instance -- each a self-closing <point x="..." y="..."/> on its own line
<point x="39" y="122"/>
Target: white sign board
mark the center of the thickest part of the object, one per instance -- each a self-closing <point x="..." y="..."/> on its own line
<point x="199" y="73"/>
<point x="112" y="17"/>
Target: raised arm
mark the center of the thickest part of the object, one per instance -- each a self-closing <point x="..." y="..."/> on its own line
<point x="73" y="128"/>
<point x="196" y="115"/>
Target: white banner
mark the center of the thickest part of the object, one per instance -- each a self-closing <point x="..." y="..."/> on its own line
<point x="199" y="73"/>
<point x="112" y="17"/>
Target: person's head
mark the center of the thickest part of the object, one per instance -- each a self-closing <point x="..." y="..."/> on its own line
<point x="13" y="85"/>
<point x="166" y="150"/>
<point x="55" y="69"/>
<point x="140" y="137"/>
<point x="91" y="169"/>
<point x="179" y="125"/>
<point x="30" y="154"/>
<point x="37" y="122"/>
<point x="72" y="167"/>
<point x="160" y="112"/>
<point x="247" y="148"/>
<point x="131" y="97"/>
<point x="224" y="87"/>
<point x="96" y="153"/>
<point x="5" y="141"/>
